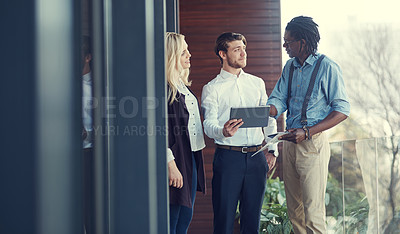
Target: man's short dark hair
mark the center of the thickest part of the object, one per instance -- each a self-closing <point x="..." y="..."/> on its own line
<point x="303" y="27"/>
<point x="224" y="39"/>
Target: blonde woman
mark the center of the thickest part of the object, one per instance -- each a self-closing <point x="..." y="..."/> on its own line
<point x="185" y="136"/>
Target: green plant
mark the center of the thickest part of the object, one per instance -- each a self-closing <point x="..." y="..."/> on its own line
<point x="358" y="213"/>
<point x="355" y="219"/>
<point x="274" y="217"/>
<point x="334" y="197"/>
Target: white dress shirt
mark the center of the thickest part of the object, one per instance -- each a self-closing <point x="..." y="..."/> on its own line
<point x="195" y="128"/>
<point x="228" y="90"/>
<point x="87" y="108"/>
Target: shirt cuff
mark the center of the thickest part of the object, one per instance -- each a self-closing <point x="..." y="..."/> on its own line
<point x="279" y="108"/>
<point x="276" y="152"/>
<point x="273" y="147"/>
<point x="221" y="133"/>
<point x="343" y="110"/>
<point x="170" y="155"/>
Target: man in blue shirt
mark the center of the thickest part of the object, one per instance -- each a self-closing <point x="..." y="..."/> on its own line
<point x="313" y="106"/>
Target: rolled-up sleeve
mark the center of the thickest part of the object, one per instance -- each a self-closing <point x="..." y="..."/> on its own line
<point x="279" y="95"/>
<point x="209" y="107"/>
<point x="336" y="91"/>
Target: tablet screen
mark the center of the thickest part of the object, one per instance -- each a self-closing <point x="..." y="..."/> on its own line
<point x="251" y="116"/>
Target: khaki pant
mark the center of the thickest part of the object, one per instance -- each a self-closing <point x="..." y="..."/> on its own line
<point x="305" y="171"/>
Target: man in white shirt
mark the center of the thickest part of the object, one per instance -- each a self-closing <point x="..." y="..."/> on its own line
<point x="236" y="175"/>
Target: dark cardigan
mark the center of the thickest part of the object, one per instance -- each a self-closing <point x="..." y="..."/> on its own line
<point x="179" y="143"/>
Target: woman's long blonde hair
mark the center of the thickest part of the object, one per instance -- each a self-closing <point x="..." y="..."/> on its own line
<point x="175" y="71"/>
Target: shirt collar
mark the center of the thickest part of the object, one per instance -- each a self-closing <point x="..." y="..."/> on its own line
<point x="181" y="84"/>
<point x="310" y="60"/>
<point x="227" y="75"/>
<point x="182" y="88"/>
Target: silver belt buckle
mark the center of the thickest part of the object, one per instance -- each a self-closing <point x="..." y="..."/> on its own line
<point x="244" y="150"/>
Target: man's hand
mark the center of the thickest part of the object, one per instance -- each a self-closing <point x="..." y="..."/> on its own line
<point x="272" y="111"/>
<point x="295" y="135"/>
<point x="271" y="160"/>
<point x="174" y="175"/>
<point x="298" y="135"/>
<point x="231" y="127"/>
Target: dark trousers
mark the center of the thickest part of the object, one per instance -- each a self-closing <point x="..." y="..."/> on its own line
<point x="88" y="191"/>
<point x="238" y="177"/>
<point x="181" y="216"/>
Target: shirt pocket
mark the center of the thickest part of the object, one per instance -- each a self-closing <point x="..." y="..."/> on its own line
<point x="295" y="105"/>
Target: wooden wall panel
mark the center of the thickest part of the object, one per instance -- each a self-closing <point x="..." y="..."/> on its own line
<point x="202" y="21"/>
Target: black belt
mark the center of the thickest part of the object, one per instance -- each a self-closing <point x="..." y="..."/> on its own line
<point x="243" y="149"/>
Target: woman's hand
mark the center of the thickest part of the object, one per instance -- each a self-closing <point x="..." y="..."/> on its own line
<point x="174" y="175"/>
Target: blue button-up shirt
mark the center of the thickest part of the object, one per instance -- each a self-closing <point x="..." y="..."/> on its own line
<point x="329" y="93"/>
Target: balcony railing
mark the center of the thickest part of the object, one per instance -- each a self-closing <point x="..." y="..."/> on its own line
<point x="363" y="191"/>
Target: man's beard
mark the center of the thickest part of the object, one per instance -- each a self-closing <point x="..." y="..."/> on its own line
<point x="235" y="64"/>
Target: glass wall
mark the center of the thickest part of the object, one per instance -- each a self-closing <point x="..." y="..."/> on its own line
<point x="362" y="186"/>
<point x="129" y="173"/>
<point x="44" y="167"/>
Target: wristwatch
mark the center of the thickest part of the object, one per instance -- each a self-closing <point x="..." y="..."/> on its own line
<point x="273" y="152"/>
<point x="307" y="132"/>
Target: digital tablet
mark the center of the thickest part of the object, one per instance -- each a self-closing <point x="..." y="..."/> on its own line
<point x="252" y="116"/>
